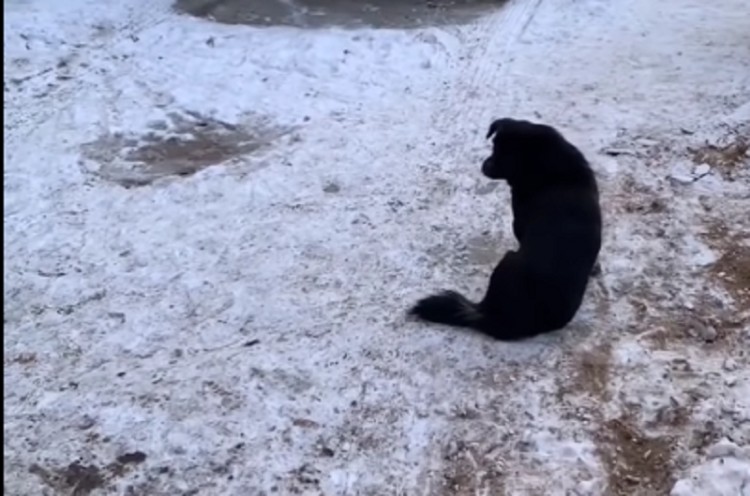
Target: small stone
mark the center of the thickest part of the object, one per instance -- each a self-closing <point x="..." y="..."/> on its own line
<point x="729" y="365"/>
<point x="730" y="381"/>
<point x="133" y="457"/>
<point x="703" y="330"/>
<point x="615" y="152"/>
<point x="681" y="178"/>
<point x="682" y="173"/>
<point x="86" y="422"/>
<point x="163" y="100"/>
<point x="118" y="316"/>
<point x="708" y="333"/>
<point x="702" y="170"/>
<point x="332" y="188"/>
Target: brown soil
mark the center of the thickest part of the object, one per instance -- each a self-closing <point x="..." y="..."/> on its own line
<point x="725" y="158"/>
<point x="593" y="372"/>
<point x="636" y="464"/>
<point x="467" y="473"/>
<point x="733" y="266"/>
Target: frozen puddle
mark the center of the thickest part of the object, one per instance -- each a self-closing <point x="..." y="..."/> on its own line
<point x="180" y="146"/>
<point x="323" y="13"/>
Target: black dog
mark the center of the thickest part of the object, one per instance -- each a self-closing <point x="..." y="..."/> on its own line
<point x="557" y="221"/>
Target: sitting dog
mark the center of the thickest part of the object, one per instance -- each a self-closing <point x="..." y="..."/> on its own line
<point x="557" y="222"/>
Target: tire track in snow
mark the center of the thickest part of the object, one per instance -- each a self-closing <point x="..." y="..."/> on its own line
<point x="480" y="90"/>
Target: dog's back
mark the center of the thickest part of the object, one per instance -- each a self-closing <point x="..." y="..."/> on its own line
<point x="560" y="244"/>
<point x="557" y="219"/>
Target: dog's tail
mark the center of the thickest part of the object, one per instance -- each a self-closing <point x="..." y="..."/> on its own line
<point x="451" y="308"/>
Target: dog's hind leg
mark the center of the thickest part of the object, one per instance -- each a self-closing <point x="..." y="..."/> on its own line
<point x="508" y="304"/>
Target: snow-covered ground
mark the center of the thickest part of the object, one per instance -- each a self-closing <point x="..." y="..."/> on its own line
<point x="175" y="328"/>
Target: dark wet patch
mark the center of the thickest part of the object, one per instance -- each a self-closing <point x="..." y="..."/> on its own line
<point x="305" y="423"/>
<point x="331" y="188"/>
<point x="76" y="479"/>
<point x="347" y="13"/>
<point x="134" y="457"/>
<point x="182" y="146"/>
<point x="79" y="479"/>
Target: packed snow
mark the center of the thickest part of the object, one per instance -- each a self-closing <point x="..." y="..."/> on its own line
<point x="212" y="234"/>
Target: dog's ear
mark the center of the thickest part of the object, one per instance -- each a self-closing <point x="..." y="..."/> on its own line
<point x="494" y="128"/>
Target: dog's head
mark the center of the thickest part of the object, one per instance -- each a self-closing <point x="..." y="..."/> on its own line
<point x="516" y="143"/>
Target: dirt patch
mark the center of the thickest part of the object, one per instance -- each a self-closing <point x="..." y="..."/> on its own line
<point x="714" y="329"/>
<point x="467" y="472"/>
<point x="636" y="464"/>
<point x="325" y="13"/>
<point x="733" y="266"/>
<point x="78" y="479"/>
<point x="303" y="480"/>
<point x="181" y="146"/>
<point x="733" y="269"/>
<point x="22" y="359"/>
<point x="587" y="374"/>
<point x="593" y="371"/>
<point x="726" y="158"/>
